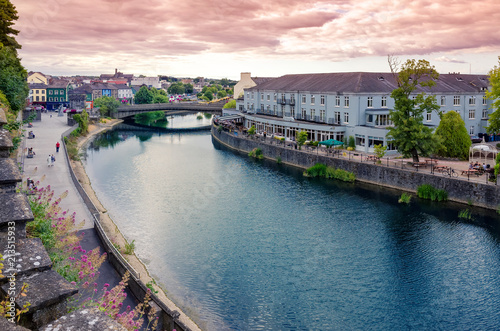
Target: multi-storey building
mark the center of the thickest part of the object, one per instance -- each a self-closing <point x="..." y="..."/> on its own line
<point x="104" y="90"/>
<point x="38" y="94"/>
<point x="125" y="94"/>
<point x="57" y="94"/>
<point x="358" y="104"/>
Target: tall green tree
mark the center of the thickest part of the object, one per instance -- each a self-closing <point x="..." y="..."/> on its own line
<point x="176" y="88"/>
<point x="455" y="140"/>
<point x="143" y="96"/>
<point x="494" y="95"/>
<point x="409" y="134"/>
<point x="13" y="78"/>
<point x="8" y="16"/>
<point x="301" y="138"/>
<point x="107" y="105"/>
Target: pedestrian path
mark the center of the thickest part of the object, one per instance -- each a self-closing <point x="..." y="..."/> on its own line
<point x="47" y="133"/>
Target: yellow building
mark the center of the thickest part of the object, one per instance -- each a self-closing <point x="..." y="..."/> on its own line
<point x="38" y="94"/>
<point x="37" y="77"/>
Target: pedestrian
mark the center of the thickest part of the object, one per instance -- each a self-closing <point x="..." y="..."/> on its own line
<point x="57" y="147"/>
<point x="49" y="161"/>
<point x="53" y="159"/>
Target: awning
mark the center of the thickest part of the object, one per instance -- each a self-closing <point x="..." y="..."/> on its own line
<point x="229" y="117"/>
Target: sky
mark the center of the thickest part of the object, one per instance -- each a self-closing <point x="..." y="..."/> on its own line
<point x="269" y="38"/>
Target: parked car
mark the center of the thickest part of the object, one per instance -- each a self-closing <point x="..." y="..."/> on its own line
<point x="475" y="139"/>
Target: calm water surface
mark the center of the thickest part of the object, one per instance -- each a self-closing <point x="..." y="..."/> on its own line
<point x="247" y="245"/>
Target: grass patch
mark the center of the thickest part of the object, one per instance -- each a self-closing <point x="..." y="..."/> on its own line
<point x="256" y="153"/>
<point x="429" y="192"/>
<point x="321" y="170"/>
<point x="405" y="198"/>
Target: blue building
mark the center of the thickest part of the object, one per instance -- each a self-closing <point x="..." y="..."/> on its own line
<point x="357" y="104"/>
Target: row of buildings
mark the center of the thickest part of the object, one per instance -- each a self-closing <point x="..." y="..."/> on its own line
<point x="80" y="92"/>
<point x="357" y="104"/>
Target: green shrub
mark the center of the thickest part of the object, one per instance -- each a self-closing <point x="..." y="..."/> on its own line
<point x="317" y="170"/>
<point x="352" y="142"/>
<point x="465" y="214"/>
<point x="429" y="192"/>
<point x="278" y="160"/>
<point x="76" y="132"/>
<point x="129" y="247"/>
<point x="256" y="153"/>
<point x="405" y="198"/>
<point x="199" y="117"/>
<point x="321" y="170"/>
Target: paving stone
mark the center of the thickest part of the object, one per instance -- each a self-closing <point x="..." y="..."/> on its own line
<point x="29" y="256"/>
<point x="46" y="292"/>
<point x="84" y="320"/>
<point x="15" y="208"/>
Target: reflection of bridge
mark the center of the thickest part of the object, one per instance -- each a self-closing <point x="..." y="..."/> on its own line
<point x="144" y="128"/>
<point x="169" y="108"/>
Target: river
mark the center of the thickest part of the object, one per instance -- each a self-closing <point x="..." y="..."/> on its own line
<point x="241" y="244"/>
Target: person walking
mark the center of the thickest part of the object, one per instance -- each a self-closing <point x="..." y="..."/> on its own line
<point x="57" y="147"/>
<point x="53" y="159"/>
<point x="49" y="161"/>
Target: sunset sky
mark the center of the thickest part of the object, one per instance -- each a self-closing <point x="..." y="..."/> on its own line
<point x="267" y="38"/>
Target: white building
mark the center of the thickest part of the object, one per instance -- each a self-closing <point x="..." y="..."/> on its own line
<point x="148" y="81"/>
<point x="338" y="105"/>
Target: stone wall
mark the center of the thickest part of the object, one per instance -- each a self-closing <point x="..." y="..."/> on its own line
<point x="480" y="194"/>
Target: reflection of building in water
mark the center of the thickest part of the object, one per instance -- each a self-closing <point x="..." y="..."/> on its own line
<point x="357" y="104"/>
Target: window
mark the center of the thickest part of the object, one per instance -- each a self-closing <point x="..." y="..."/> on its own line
<point x="384" y="102"/>
<point x="337" y="117"/>
<point x="43" y="91"/>
<point x="252" y="95"/>
<point x="313" y="114"/>
<point x="283" y="109"/>
<point x="313" y="99"/>
<point x="456" y="100"/>
<point x="37" y="97"/>
<point x="61" y="92"/>
<point x="303" y="98"/>
<point x="429" y="116"/>
<point x="56" y="99"/>
<point x="443" y="100"/>
<point x="369" y="103"/>
<point x="484" y="99"/>
<point x="346" y="102"/>
<point x="303" y="113"/>
<point x="275" y="96"/>
<point x="471" y="130"/>
<point x="283" y="98"/>
<point x="322" y="100"/>
<point x="56" y="92"/>
<point x="346" y="118"/>
<point x="262" y="97"/>
<point x="292" y="99"/>
<point x="472" y="114"/>
<point x="262" y="108"/>
<point x="43" y="98"/>
<point x="37" y="91"/>
<point x="292" y="111"/>
<point x="268" y="108"/>
<point x="322" y="115"/>
<point x="50" y="92"/>
<point x="485" y="113"/>
<point x="248" y="95"/>
<point x="275" y="109"/>
<point x="51" y="99"/>
<point x="337" y="101"/>
<point x="369" y="118"/>
<point x="472" y="101"/>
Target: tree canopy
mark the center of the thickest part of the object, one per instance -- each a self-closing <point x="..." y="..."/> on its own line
<point x="176" y="88"/>
<point x="494" y="96"/>
<point x="455" y="140"/>
<point x="230" y="104"/>
<point x="8" y="15"/>
<point x="409" y="134"/>
<point x="13" y="78"/>
<point x="107" y="105"/>
<point x="143" y="96"/>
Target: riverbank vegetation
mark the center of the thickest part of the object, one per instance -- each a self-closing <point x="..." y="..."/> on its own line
<point x="256" y="153"/>
<point x="58" y="231"/>
<point x="152" y="118"/>
<point x="323" y="171"/>
<point x="405" y="198"/>
<point x="429" y="192"/>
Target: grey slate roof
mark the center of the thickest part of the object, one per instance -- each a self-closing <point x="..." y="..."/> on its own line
<point x="37" y="86"/>
<point x="367" y="82"/>
<point x="58" y="83"/>
<point x="84" y="89"/>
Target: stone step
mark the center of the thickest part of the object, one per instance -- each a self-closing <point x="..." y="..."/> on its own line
<point x="11" y="326"/>
<point x="15" y="209"/>
<point x="46" y="292"/>
<point x="84" y="320"/>
<point x="9" y="176"/>
<point x="23" y="257"/>
<point x="5" y="143"/>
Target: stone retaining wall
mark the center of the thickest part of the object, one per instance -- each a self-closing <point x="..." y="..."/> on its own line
<point x="483" y="195"/>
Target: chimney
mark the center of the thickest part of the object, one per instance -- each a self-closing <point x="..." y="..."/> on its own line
<point x="116" y="71"/>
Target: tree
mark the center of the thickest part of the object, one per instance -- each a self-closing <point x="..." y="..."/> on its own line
<point x="455" y="140"/>
<point x="143" y="96"/>
<point x="251" y="131"/>
<point x="209" y="95"/>
<point x="13" y="78"/>
<point x="107" y="105"/>
<point x="494" y="95"/>
<point x="230" y="104"/>
<point x="83" y="121"/>
<point x="221" y="94"/>
<point x="188" y="88"/>
<point x="176" y="88"/>
<point x="409" y="134"/>
<point x="301" y="138"/>
<point x="7" y="17"/>
<point x="380" y="151"/>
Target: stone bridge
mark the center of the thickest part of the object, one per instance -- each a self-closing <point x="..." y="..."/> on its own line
<point x="170" y="108"/>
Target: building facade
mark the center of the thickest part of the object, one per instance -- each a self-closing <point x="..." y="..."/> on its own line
<point x="38" y="94"/>
<point x="57" y="94"/>
<point x="339" y="105"/>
